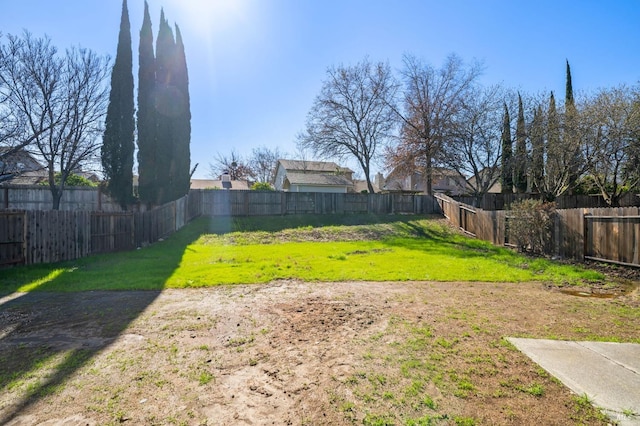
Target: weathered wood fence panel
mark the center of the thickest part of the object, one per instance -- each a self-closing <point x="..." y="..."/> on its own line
<point x="491" y="226"/>
<point x="265" y="203"/>
<point x="503" y="201"/>
<point x="613" y="235"/>
<point x="38" y="197"/>
<point x="12" y="235"/>
<point x="56" y="235"/>
<point x="604" y="234"/>
<point x="47" y="236"/>
<point x="112" y="232"/>
<point x="568" y="234"/>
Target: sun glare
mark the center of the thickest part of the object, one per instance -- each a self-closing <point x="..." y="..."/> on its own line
<point x="208" y="17"/>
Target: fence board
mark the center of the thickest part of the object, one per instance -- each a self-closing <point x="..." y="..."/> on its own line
<point x="12" y="228"/>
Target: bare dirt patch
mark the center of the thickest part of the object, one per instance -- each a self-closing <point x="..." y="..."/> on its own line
<point x="297" y="353"/>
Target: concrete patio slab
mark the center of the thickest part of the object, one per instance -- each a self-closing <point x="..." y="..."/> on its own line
<point x="608" y="373"/>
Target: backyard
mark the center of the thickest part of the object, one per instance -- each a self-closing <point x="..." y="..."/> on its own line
<point x="361" y="320"/>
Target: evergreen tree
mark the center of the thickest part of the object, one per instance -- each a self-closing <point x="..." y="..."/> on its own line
<point x="569" y="88"/>
<point x="520" y="163"/>
<point x="571" y="134"/>
<point x="555" y="173"/>
<point x="164" y="112"/>
<point x="118" y="139"/>
<point x="147" y="122"/>
<point x="537" y="151"/>
<point x="507" y="160"/>
<point x="168" y="106"/>
<point x="182" y="152"/>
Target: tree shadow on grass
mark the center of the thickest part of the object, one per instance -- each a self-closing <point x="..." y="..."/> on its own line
<point x="46" y="335"/>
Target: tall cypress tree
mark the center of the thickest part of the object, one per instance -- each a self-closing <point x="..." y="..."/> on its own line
<point x="571" y="133"/>
<point x="506" y="180"/>
<point x="182" y="152"/>
<point x="537" y="151"/>
<point x="147" y="122"/>
<point x="167" y="103"/>
<point x="569" y="88"/>
<point x="118" y="139"/>
<point x="554" y="164"/>
<point x="520" y="163"/>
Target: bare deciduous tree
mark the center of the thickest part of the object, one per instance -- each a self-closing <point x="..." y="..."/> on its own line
<point x="233" y="165"/>
<point x="63" y="100"/>
<point x="474" y="147"/>
<point x="611" y="120"/>
<point x="353" y="114"/>
<point x="263" y="162"/>
<point x="432" y="99"/>
<point x="15" y="134"/>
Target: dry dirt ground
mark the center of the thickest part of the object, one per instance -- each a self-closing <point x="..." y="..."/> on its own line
<point x="292" y="353"/>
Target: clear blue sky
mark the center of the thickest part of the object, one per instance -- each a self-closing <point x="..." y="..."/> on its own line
<point x="255" y="66"/>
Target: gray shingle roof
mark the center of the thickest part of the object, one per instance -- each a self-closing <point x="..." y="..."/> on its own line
<point x="312" y="166"/>
<point x="302" y="178"/>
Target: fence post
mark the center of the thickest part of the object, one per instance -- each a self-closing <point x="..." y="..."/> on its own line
<point x="585" y="234"/>
<point x="174" y="206"/>
<point x="556" y="234"/>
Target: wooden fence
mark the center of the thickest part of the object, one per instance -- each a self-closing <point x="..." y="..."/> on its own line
<point x="38" y="197"/>
<point x="264" y="203"/>
<point x="46" y="236"/>
<point x="504" y="201"/>
<point x="603" y="234"/>
<point x="613" y="235"/>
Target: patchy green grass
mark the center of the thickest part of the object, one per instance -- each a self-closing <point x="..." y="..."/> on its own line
<point x="211" y="252"/>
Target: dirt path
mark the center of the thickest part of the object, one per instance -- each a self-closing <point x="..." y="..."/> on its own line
<point x="296" y="353"/>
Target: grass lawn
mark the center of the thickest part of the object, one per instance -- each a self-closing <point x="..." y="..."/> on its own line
<point x="218" y="251"/>
<point x="331" y="351"/>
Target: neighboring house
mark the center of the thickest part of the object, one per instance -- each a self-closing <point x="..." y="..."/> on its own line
<point x="496" y="188"/>
<point x="224" y="182"/>
<point x="360" y="186"/>
<point x="312" y="176"/>
<point x="90" y="176"/>
<point x="21" y="168"/>
<point x="443" y="180"/>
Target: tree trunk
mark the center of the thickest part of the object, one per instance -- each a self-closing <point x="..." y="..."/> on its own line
<point x="429" y="176"/>
<point x="370" y="186"/>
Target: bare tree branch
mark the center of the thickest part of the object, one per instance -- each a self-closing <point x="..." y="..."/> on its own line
<point x="353" y="114"/>
<point x="432" y="99"/>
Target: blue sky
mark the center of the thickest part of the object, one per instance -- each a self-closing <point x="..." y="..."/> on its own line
<point x="255" y="66"/>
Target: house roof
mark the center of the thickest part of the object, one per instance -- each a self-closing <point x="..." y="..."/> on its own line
<point x="443" y="180"/>
<point x="19" y="161"/>
<point x="313" y="166"/>
<point x="26" y="178"/>
<point x="360" y="185"/>
<point x="238" y="185"/>
<point x="324" y="179"/>
<point x="20" y="167"/>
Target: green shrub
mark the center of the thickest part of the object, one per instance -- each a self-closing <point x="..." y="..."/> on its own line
<point x="530" y="225"/>
<point x="262" y="186"/>
<point x="72" y="180"/>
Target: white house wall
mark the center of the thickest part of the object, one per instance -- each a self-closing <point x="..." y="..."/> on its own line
<point x="281" y="174"/>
